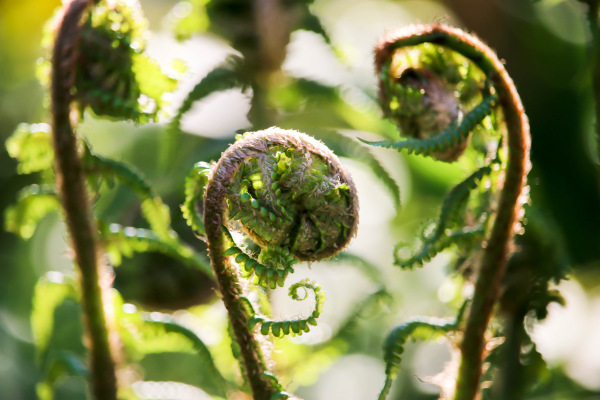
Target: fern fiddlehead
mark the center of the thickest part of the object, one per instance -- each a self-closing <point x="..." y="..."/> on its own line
<point x="426" y="100"/>
<point x="292" y="197"/>
<point x="96" y="57"/>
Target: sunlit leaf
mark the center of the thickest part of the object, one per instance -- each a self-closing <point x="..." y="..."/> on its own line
<point x="34" y="202"/>
<point x="64" y="364"/>
<point x="31" y="145"/>
<point x="50" y="292"/>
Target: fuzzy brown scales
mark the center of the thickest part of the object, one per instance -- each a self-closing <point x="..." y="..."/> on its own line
<point x="309" y="210"/>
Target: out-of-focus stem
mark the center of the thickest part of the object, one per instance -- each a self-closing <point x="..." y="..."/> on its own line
<point x="93" y="273"/>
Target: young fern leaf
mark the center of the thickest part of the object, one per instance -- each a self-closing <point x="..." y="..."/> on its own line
<point x="112" y="74"/>
<point x="449" y="138"/>
<point x="437" y="106"/>
<point x="34" y="202"/>
<point x="466" y="237"/>
<point x="195" y="185"/>
<point x="276" y="264"/>
<point x="418" y="328"/>
<point x="449" y="229"/>
<point x="295" y="326"/>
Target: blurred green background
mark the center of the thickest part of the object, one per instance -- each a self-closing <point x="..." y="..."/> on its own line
<point x="545" y="45"/>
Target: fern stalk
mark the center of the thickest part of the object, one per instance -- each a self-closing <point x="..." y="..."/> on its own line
<point x="497" y="249"/>
<point x="94" y="275"/>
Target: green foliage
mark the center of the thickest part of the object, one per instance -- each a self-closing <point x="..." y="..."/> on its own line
<point x="49" y="293"/>
<point x="62" y="365"/>
<point x="122" y="241"/>
<point x="114" y="78"/>
<point x="108" y="169"/>
<point x="160" y="333"/>
<point x="34" y="203"/>
<point x="418" y="328"/>
<point x="32" y="147"/>
<point x="195" y="185"/>
<point x="224" y="77"/>
<point x="450" y="228"/>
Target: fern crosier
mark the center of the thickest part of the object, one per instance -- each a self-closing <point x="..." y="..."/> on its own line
<point x="289" y="194"/>
<point x="293" y="198"/>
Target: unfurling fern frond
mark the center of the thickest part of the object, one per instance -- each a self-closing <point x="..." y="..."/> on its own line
<point x="112" y="74"/>
<point x="294" y="200"/>
<point x="295" y="326"/>
<point x="393" y="346"/>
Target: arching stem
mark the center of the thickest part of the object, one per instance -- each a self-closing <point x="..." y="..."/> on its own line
<point x="215" y="213"/>
<point x="94" y="275"/>
<point x="497" y="248"/>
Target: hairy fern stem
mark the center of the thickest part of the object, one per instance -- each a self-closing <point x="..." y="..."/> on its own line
<point x="95" y="277"/>
<point x="509" y="207"/>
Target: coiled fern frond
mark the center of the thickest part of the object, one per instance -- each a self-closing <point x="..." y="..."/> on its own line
<point x="294" y="201"/>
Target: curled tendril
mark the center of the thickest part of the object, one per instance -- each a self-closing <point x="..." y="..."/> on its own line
<point x="294" y="326"/>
